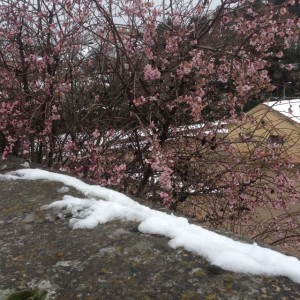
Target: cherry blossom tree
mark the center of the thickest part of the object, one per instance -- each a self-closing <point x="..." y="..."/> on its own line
<point x="139" y="98"/>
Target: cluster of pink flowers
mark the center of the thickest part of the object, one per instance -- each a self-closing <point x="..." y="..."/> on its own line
<point x="151" y="73"/>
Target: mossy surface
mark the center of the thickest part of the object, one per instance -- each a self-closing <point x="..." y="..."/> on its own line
<point x="28" y="295"/>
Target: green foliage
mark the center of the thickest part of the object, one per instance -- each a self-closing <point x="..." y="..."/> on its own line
<point x="287" y="81"/>
<point x="28" y="295"/>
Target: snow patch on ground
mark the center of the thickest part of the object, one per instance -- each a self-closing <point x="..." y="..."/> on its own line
<point x="103" y="205"/>
<point x="63" y="190"/>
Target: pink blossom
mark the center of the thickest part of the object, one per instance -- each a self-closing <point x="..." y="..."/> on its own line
<point x="140" y="101"/>
<point x="151" y="73"/>
<point x="96" y="133"/>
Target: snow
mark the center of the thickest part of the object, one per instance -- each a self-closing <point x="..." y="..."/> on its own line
<point x="63" y="190"/>
<point x="102" y="205"/>
<point x="25" y="164"/>
<point x="290" y="108"/>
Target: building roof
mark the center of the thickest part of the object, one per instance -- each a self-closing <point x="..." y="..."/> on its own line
<point x="288" y="107"/>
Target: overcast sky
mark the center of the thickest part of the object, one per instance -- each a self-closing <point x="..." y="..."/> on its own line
<point x="213" y="5"/>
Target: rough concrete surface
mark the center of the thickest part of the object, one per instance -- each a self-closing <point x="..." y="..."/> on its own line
<point x="38" y="250"/>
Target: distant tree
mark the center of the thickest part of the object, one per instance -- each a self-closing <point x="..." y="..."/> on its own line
<point x="284" y="70"/>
